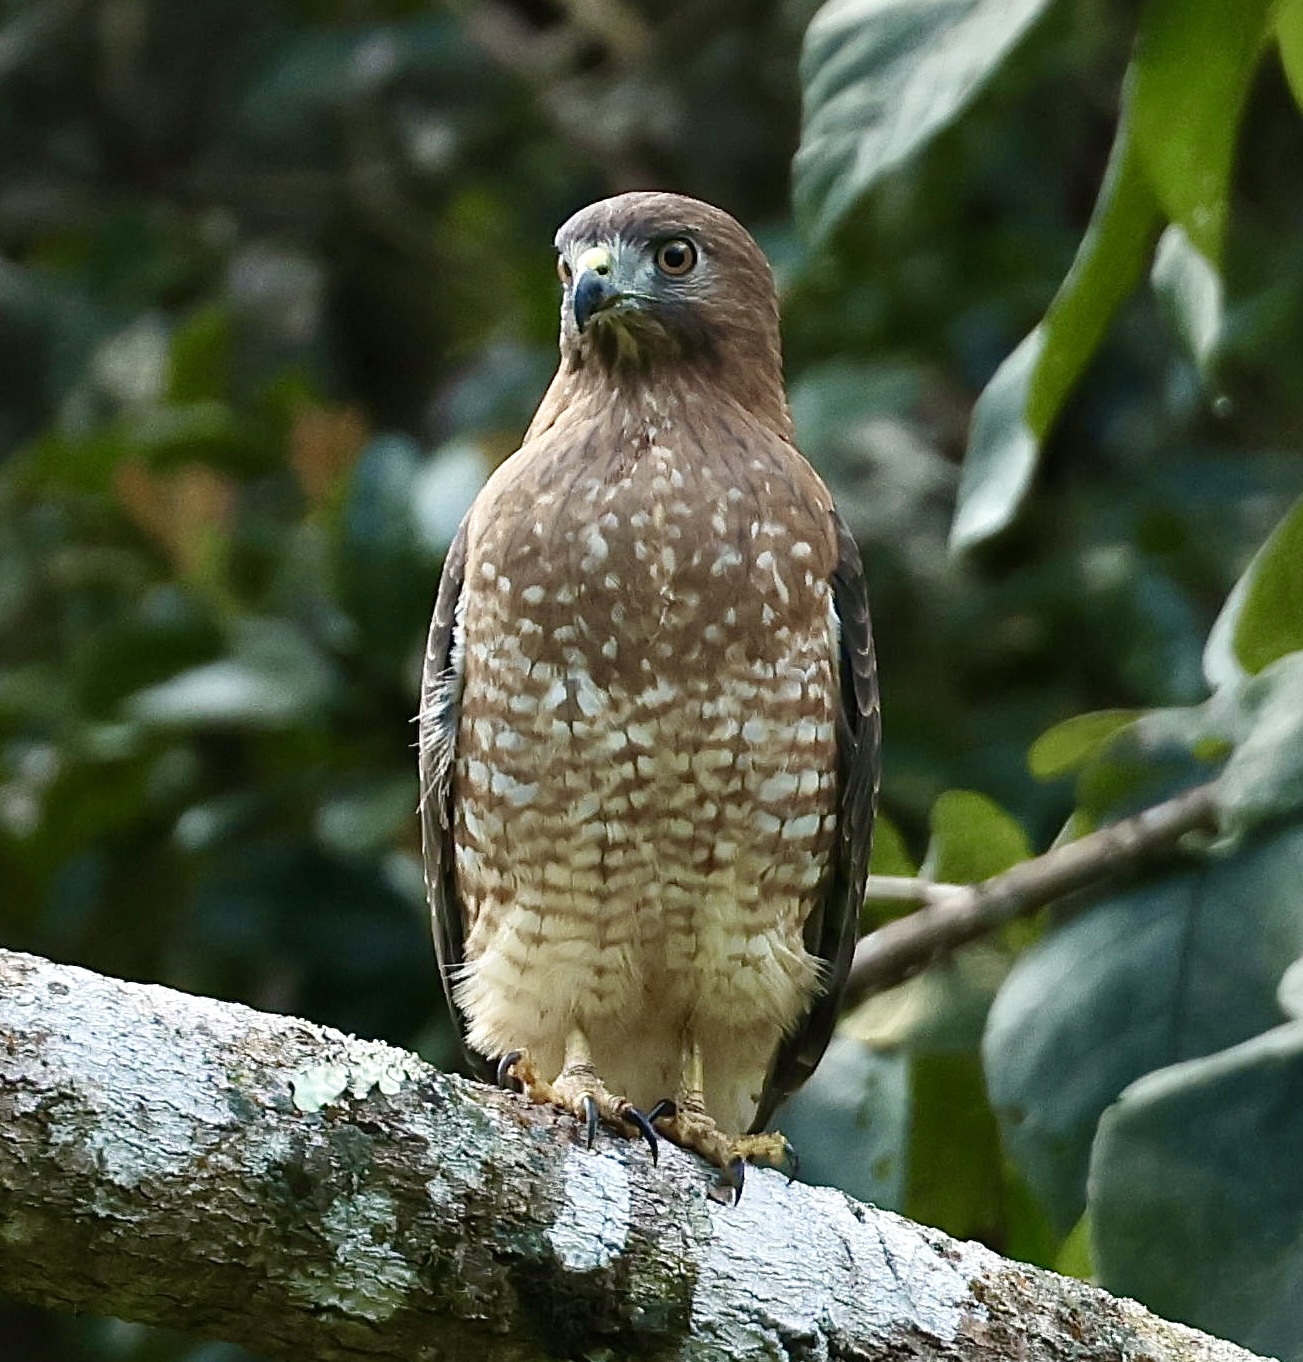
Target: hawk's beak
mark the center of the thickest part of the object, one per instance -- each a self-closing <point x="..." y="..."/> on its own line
<point x="595" y="284"/>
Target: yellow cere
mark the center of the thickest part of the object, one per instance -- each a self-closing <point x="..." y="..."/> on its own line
<point x="596" y="258"/>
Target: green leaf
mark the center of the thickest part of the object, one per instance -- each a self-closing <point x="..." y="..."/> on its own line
<point x="1068" y="745"/>
<point x="880" y="79"/>
<point x="274" y="678"/>
<point x="1194" y="62"/>
<point x="1020" y="404"/>
<point x="369" y="817"/>
<point x="1248" y="735"/>
<point x="1189" y="288"/>
<point x="851" y="1122"/>
<point x="941" y="1011"/>
<point x="211" y="432"/>
<point x="1222" y="668"/>
<point x="201" y="357"/>
<point x="1267" y="614"/>
<point x="972" y="839"/>
<point x="1263" y="778"/>
<point x="1289" y="33"/>
<point x="955" y="1162"/>
<point x="167" y="633"/>
<point x="1159" y="755"/>
<point x="1171" y="970"/>
<point x="1073" y="1259"/>
<point x="1002" y="448"/>
<point x="890" y="855"/>
<point x="1290" y="992"/>
<point x="1262" y="618"/>
<point x="1195" y="1188"/>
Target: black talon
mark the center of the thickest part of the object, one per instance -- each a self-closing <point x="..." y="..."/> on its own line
<point x="644" y="1124"/>
<point x="665" y="1109"/>
<point x="506" y="1079"/>
<point x="793" y="1161"/>
<point x="727" y="1188"/>
<point x="590" y="1116"/>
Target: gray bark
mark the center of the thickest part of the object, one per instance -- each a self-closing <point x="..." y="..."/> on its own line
<point x="196" y="1164"/>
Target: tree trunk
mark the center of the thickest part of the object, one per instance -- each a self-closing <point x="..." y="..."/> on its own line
<point x="250" y="1177"/>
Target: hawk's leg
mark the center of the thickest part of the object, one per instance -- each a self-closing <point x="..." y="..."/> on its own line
<point x="686" y="1122"/>
<point x="578" y="1090"/>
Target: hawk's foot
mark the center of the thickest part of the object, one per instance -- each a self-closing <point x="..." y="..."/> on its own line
<point x="578" y="1090"/>
<point x="689" y="1127"/>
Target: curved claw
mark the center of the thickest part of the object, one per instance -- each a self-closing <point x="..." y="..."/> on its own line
<point x="728" y="1188"/>
<point x="644" y="1124"/>
<point x="664" y="1110"/>
<point x="589" y="1103"/>
<point x="506" y="1079"/>
<point x="792" y="1159"/>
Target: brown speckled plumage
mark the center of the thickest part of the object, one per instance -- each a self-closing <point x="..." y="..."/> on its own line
<point x="649" y="729"/>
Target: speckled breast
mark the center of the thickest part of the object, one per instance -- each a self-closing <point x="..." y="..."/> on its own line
<point x="645" y="780"/>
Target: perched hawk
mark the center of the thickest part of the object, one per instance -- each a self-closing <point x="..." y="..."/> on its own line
<point x="649" y="720"/>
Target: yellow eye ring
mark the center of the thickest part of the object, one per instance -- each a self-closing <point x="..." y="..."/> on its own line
<point x="564" y="272"/>
<point x="676" y="257"/>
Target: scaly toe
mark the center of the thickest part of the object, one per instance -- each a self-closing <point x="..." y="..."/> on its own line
<point x="691" y="1128"/>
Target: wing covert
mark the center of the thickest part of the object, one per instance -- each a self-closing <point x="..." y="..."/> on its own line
<point x="440" y="711"/>
<point x="832" y="928"/>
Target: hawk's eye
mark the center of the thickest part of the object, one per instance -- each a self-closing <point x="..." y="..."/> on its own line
<point x="676" y="258"/>
<point x="563" y="269"/>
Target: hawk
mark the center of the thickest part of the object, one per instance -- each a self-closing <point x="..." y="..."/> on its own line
<point x="649" y="725"/>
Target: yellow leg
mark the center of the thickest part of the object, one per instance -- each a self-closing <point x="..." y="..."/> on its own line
<point x="690" y="1126"/>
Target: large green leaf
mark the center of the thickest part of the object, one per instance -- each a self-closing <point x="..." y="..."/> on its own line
<point x="275" y="677"/>
<point x="1263" y="616"/>
<point x="1289" y="33"/>
<point x="955" y="1162"/>
<point x="1248" y="736"/>
<point x="1189" y="288"/>
<point x="1263" y="778"/>
<point x="1195" y="1189"/>
<point x="880" y="79"/>
<point x="1171" y="970"/>
<point x="1067" y="745"/>
<point x="973" y="838"/>
<point x="850" y="1123"/>
<point x="1019" y="405"/>
<point x="1193" y="66"/>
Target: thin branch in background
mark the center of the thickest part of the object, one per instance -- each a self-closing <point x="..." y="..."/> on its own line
<point x="950" y="915"/>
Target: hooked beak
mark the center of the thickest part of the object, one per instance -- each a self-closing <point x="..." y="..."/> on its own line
<point x="595" y="287"/>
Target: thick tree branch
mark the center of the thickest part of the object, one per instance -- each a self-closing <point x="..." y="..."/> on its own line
<point x="193" y="1163"/>
<point x="950" y="915"/>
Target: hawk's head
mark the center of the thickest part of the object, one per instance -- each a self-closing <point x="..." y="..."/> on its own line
<point x="655" y="278"/>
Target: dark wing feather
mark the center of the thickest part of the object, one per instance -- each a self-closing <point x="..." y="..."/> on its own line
<point x="831" y="930"/>
<point x="441" y="682"/>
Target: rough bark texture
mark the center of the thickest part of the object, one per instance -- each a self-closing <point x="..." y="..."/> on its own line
<point x="256" y="1178"/>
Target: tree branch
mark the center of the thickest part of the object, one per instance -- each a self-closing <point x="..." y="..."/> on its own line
<point x="950" y="915"/>
<point x="193" y="1163"/>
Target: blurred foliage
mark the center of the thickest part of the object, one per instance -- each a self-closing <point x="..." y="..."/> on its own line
<point x="276" y="294"/>
<point x="1140" y="1052"/>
